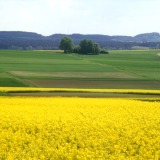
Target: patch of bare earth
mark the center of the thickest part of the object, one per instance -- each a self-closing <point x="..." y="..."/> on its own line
<point x="95" y="84"/>
<point x="76" y="74"/>
<point x="75" y="94"/>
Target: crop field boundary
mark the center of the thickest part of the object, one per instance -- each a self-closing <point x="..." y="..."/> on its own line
<point x="28" y="91"/>
<point x="19" y="79"/>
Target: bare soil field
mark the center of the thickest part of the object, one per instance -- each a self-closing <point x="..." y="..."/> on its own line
<point x="93" y="95"/>
<point x="76" y="74"/>
<point x="95" y="84"/>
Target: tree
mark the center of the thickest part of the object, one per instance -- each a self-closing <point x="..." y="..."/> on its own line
<point x="76" y="49"/>
<point x="89" y="47"/>
<point x="66" y="44"/>
<point x="103" y="51"/>
<point x="83" y="46"/>
<point x="97" y="48"/>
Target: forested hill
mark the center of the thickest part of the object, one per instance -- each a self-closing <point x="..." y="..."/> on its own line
<point x="146" y="37"/>
<point x="29" y="40"/>
<point x="18" y="34"/>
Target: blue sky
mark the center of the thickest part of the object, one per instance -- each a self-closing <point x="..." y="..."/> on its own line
<point x="109" y="17"/>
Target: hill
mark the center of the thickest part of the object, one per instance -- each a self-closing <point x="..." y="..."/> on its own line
<point x="146" y="37"/>
<point x="30" y="40"/>
<point x="18" y="34"/>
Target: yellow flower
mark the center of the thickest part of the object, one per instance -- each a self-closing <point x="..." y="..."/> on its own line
<point x="78" y="128"/>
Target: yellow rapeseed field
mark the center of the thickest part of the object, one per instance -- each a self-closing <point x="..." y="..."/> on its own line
<point x="123" y="91"/>
<point x="79" y="128"/>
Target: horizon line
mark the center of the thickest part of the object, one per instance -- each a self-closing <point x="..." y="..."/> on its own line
<point x="79" y="33"/>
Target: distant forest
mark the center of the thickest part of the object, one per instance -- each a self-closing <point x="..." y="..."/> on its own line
<point x="28" y="41"/>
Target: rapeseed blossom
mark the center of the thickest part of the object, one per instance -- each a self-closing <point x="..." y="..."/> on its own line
<point x="79" y="128"/>
<point x="123" y="91"/>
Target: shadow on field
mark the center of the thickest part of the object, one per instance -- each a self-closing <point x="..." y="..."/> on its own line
<point x="77" y="94"/>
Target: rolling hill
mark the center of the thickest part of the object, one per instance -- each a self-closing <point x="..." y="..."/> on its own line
<point x="30" y="40"/>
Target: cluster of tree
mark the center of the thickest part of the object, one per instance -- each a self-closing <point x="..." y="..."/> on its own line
<point x="85" y="47"/>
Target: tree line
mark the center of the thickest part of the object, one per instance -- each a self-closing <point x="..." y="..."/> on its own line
<point x="50" y="44"/>
<point x="85" y="46"/>
<point x="33" y="41"/>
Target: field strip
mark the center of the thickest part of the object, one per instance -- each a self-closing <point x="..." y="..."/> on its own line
<point x="123" y="91"/>
<point x="158" y="54"/>
<point x="75" y="74"/>
<point x="19" y="79"/>
<point x="119" y="69"/>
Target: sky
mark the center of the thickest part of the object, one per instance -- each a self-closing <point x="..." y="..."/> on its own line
<point x="108" y="17"/>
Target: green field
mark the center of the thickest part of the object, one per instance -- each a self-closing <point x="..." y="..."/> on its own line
<point x="118" y="69"/>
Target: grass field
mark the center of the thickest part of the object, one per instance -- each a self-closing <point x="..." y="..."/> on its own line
<point x="119" y="69"/>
